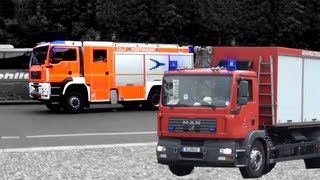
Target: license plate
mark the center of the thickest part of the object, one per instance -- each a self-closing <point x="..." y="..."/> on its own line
<point x="190" y="149"/>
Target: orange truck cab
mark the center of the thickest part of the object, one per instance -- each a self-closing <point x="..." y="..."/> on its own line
<point x="70" y="75"/>
<point x="254" y="107"/>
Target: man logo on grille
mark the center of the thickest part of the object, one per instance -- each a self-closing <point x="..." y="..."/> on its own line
<point x="190" y="125"/>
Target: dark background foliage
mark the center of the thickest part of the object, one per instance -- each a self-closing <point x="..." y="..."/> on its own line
<point x="289" y="23"/>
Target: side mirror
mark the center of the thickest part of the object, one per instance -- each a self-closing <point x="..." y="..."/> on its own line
<point x="52" y="55"/>
<point x="243" y="89"/>
<point x="243" y="93"/>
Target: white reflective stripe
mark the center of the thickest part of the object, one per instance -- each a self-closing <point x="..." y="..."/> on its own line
<point x="103" y="100"/>
<point x="139" y="99"/>
<point x="154" y="53"/>
<point x="98" y="43"/>
<point x="147" y="45"/>
<point x="47" y="75"/>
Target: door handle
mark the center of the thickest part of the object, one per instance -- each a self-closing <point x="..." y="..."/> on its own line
<point x="107" y="72"/>
<point x="69" y="72"/>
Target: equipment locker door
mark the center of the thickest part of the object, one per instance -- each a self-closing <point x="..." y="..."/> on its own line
<point x="99" y="79"/>
<point x="130" y="78"/>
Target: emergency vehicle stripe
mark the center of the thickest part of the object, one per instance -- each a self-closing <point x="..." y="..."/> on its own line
<point x="81" y="61"/>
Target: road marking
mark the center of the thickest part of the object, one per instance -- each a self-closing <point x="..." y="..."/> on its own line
<point x="91" y="134"/>
<point x="10" y="137"/>
<point x="59" y="148"/>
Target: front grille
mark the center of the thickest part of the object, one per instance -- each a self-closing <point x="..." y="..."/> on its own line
<point x="192" y="125"/>
<point x="35" y="75"/>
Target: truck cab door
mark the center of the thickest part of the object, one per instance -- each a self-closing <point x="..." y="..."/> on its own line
<point x="248" y="113"/>
<point x="63" y="63"/>
<point x="99" y="76"/>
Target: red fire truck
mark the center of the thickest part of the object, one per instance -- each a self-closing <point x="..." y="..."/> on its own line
<point x="254" y="107"/>
<point x="71" y="75"/>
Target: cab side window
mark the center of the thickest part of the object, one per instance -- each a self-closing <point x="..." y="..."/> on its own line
<point x="63" y="54"/>
<point x="99" y="56"/>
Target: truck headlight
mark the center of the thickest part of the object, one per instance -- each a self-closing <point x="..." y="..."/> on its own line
<point x="161" y="149"/>
<point x="225" y="151"/>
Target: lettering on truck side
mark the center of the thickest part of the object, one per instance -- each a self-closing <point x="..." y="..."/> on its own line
<point x="14" y="76"/>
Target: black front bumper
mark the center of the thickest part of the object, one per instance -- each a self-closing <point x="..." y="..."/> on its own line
<point x="209" y="155"/>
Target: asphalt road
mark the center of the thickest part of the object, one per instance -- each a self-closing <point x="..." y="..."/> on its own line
<point x="119" y="144"/>
<point x="24" y="126"/>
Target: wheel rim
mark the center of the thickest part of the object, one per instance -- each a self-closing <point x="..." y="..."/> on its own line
<point x="255" y="159"/>
<point x="74" y="102"/>
<point x="155" y="100"/>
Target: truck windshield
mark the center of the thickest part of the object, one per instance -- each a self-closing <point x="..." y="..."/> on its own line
<point x="39" y="55"/>
<point x="196" y="90"/>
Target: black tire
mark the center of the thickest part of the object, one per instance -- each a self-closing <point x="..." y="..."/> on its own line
<point x="181" y="170"/>
<point x="53" y="107"/>
<point x="130" y="104"/>
<point x="256" y="162"/>
<point x="312" y="163"/>
<point x="74" y="102"/>
<point x="153" y="100"/>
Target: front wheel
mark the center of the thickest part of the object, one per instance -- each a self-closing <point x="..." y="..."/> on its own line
<point x="181" y="170"/>
<point x="74" y="102"/>
<point x="256" y="163"/>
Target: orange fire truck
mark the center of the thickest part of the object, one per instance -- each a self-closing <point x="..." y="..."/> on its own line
<point x="255" y="107"/>
<point x="71" y="75"/>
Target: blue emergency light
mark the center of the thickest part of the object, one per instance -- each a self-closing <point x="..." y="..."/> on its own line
<point x="212" y="129"/>
<point x="58" y="42"/>
<point x="172" y="128"/>
<point x="191" y="49"/>
<point x="173" y="65"/>
<point x="231" y="65"/>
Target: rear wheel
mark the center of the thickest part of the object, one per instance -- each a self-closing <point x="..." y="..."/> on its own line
<point x="74" y="102"/>
<point x="181" y="170"/>
<point x="53" y="107"/>
<point x="153" y="100"/>
<point x="256" y="163"/>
